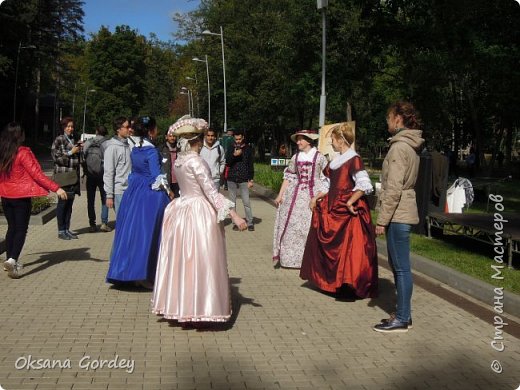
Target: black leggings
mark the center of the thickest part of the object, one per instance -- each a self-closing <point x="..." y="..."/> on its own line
<point x="17" y="212"/>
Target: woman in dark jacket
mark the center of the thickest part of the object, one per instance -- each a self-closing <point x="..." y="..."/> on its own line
<point x="21" y="178"/>
<point x="66" y="153"/>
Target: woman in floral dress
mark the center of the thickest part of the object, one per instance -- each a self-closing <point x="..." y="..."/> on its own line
<point x="303" y="178"/>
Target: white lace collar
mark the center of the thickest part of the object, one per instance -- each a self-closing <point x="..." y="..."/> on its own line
<point x="309" y="156"/>
<point x="342" y="159"/>
<point x="145" y="143"/>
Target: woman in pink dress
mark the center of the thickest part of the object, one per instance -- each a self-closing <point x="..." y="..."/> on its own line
<point x="192" y="282"/>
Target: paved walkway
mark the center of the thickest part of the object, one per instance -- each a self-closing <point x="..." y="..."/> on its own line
<point x="283" y="335"/>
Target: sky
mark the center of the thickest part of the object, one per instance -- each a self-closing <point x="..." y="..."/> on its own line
<point x="146" y="16"/>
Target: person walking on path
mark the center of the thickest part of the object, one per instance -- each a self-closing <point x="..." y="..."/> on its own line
<point x="398" y="208"/>
<point x="66" y="153"/>
<point x="341" y="245"/>
<point x="139" y="221"/>
<point x="192" y="281"/>
<point x="213" y="153"/>
<point x="239" y="158"/>
<point x="117" y="164"/>
<point x="93" y="151"/>
<point x="303" y="178"/>
<point x="21" y="178"/>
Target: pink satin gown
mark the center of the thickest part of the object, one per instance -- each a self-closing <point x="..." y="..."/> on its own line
<point x="191" y="282"/>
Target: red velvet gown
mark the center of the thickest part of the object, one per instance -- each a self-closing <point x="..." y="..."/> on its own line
<point x="341" y="247"/>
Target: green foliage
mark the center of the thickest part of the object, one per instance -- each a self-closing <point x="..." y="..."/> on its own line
<point x="449" y="59"/>
<point x="268" y="177"/>
<point x="116" y="69"/>
<point x="43" y="28"/>
<point x="39" y="203"/>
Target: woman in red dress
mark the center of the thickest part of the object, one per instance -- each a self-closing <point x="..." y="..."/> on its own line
<point x="341" y="246"/>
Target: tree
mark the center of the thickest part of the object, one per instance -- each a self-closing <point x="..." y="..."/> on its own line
<point x="116" y="68"/>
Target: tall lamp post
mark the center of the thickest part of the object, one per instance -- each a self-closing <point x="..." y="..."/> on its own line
<point x="221" y="35"/>
<point x="209" y="95"/>
<point x="20" y="47"/>
<point x="322" y="4"/>
<point x="85" y="107"/>
<point x="197" y="89"/>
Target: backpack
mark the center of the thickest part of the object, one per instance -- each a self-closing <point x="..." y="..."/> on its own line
<point x="94" y="159"/>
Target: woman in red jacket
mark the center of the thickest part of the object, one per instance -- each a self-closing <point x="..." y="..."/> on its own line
<point x="21" y="178"/>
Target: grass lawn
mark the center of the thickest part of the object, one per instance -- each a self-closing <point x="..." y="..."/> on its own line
<point x="467" y="256"/>
<point x="463" y="254"/>
<point x="268" y="177"/>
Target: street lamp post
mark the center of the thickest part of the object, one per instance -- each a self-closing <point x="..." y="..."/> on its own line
<point x="20" y="47"/>
<point x="209" y="94"/>
<point x="322" y="4"/>
<point x="85" y="107"/>
<point x="207" y="32"/>
<point x="197" y="88"/>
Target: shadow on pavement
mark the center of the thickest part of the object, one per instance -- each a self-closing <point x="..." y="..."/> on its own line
<point x="237" y="300"/>
<point x="385" y="300"/>
<point x="48" y="259"/>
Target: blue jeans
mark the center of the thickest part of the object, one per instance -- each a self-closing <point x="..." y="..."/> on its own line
<point x="94" y="184"/>
<point x="117" y="202"/>
<point x="398" y="246"/>
<point x="64" y="212"/>
<point x="244" y="194"/>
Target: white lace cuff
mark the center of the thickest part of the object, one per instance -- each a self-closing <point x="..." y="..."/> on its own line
<point x="363" y="182"/>
<point x="223" y="210"/>
<point x="160" y="183"/>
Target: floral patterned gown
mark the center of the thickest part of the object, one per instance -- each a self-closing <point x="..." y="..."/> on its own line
<point x="293" y="217"/>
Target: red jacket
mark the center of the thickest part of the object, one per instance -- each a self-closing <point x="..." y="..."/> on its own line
<point x="26" y="178"/>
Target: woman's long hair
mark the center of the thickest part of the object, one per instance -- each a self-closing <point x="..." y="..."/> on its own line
<point x="11" y="138"/>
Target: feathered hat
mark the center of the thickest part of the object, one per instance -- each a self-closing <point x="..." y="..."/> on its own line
<point x="187" y="126"/>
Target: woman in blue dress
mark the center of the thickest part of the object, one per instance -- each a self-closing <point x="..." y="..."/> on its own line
<point x="137" y="236"/>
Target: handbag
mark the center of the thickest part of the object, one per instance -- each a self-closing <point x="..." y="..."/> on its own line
<point x="64" y="179"/>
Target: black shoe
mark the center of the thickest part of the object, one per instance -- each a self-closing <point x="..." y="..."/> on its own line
<point x="63" y="236"/>
<point x="392" y="316"/>
<point x="235" y="228"/>
<point x="93" y="229"/>
<point x="71" y="235"/>
<point x="392" y="326"/>
<point x="251" y="228"/>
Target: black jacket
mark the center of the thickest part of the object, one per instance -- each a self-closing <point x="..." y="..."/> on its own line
<point x="241" y="167"/>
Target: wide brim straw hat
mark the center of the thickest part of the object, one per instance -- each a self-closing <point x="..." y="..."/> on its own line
<point x="310" y="134"/>
<point x="187" y="127"/>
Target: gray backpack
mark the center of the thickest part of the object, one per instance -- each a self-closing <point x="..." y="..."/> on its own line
<point x="94" y="159"/>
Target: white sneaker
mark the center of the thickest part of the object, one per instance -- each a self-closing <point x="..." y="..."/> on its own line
<point x="13" y="268"/>
<point x="105" y="228"/>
